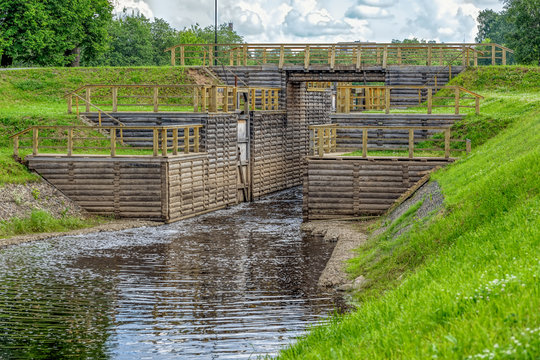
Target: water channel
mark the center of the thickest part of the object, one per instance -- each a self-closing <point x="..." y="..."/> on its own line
<point x="233" y="284"/>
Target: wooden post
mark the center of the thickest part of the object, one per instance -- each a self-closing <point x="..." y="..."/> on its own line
<point x="447" y="143"/>
<point x="385" y="56"/>
<point x="364" y="142"/>
<point x="155" y="145"/>
<point x="99" y="117"/>
<point x="77" y="105"/>
<point x="236" y="102"/>
<point x="456" y="100"/>
<point x="164" y="140"/>
<point x="204" y="104"/>
<point x="320" y="142"/>
<point x="70" y="142"/>
<point x="87" y="99"/>
<point x="358" y="57"/>
<point x="186" y="140"/>
<point x="182" y="56"/>
<point x="464" y="55"/>
<point x="156" y="99"/>
<point x="253" y="99"/>
<point x="333" y="58"/>
<point x="503" y="56"/>
<point x="449" y="72"/>
<point x="196" y="99"/>
<point x="399" y="55"/>
<point x="114" y="99"/>
<point x="213" y="106"/>
<point x="468" y="146"/>
<point x="16" y="146"/>
<point x="210" y="55"/>
<point x="264" y="56"/>
<point x="245" y="55"/>
<point x="477" y="105"/>
<point x="281" y="56"/>
<point x="429" y="55"/>
<point x="231" y="57"/>
<point x="306" y="57"/>
<point x="475" y="56"/>
<point x="175" y="141"/>
<point x="493" y="57"/>
<point x="347" y="99"/>
<point x="35" y="141"/>
<point x="226" y="99"/>
<point x="387" y="100"/>
<point x="429" y="100"/>
<point x="411" y="143"/>
<point x="70" y="104"/>
<point x="112" y="133"/>
<point x="196" y="139"/>
<point x="173" y="57"/>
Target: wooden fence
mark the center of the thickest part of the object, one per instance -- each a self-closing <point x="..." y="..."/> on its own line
<point x="353" y="98"/>
<point x="332" y="55"/>
<point x="109" y="140"/>
<point x="195" y="98"/>
<point x="333" y="138"/>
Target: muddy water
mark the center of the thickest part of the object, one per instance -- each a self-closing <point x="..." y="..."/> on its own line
<point x="233" y="284"/>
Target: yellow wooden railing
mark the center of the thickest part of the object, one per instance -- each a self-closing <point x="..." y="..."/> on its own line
<point x="332" y="55"/>
<point x="155" y="98"/>
<point x="86" y="140"/>
<point x="325" y="139"/>
<point x="353" y="98"/>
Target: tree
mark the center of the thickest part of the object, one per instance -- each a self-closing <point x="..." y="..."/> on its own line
<point x="53" y="32"/>
<point x="492" y="26"/>
<point x="163" y="36"/>
<point x="131" y="42"/>
<point x="524" y="15"/>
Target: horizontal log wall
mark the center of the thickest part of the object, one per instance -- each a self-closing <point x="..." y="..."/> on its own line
<point x="345" y="187"/>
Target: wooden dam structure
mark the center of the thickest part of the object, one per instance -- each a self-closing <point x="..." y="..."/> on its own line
<point x="278" y="116"/>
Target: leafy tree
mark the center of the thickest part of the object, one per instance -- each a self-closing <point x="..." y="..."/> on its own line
<point x="492" y="26"/>
<point x="163" y="36"/>
<point x="131" y="41"/>
<point x="53" y="32"/>
<point x="524" y="15"/>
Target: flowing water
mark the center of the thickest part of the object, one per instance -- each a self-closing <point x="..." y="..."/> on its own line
<point x="233" y="284"/>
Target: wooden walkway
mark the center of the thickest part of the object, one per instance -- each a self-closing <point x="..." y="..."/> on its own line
<point x="358" y="55"/>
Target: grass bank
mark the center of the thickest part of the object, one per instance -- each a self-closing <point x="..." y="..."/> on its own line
<point x="463" y="284"/>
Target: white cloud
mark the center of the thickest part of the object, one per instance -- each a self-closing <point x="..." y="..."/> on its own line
<point x="367" y="12"/>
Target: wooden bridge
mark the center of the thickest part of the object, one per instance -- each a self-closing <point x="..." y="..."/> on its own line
<point x="339" y="55"/>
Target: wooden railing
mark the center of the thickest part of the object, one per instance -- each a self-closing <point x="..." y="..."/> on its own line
<point x="192" y="98"/>
<point x="86" y="140"/>
<point x="325" y="139"/>
<point x="332" y="55"/>
<point x="353" y="98"/>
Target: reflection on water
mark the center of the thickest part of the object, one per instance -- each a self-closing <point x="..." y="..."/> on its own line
<point x="233" y="284"/>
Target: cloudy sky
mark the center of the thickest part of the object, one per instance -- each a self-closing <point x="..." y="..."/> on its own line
<point x="326" y="20"/>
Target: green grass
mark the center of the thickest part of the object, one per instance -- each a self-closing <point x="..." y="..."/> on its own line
<point x="41" y="221"/>
<point x="464" y="283"/>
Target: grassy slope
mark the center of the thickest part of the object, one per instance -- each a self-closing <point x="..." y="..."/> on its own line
<point x="465" y="283"/>
<point x="35" y="97"/>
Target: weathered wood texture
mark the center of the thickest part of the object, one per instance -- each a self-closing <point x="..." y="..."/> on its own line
<point x="280" y="141"/>
<point x="348" y="186"/>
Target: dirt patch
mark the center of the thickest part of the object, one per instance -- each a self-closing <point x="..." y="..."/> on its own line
<point x="201" y="77"/>
<point x="18" y="200"/>
<point x="115" y="225"/>
<point x="349" y="235"/>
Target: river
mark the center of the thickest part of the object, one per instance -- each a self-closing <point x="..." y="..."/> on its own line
<point x="234" y="284"/>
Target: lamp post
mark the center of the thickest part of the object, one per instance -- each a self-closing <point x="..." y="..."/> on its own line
<point x="215" y="33"/>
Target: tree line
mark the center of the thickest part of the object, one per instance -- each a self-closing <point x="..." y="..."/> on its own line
<point x="85" y="33"/>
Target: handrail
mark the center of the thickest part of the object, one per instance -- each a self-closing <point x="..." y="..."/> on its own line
<point x="98" y="109"/>
<point x="324" y="138"/>
<point x="352" y="98"/>
<point x="184" y="137"/>
<point x="196" y="98"/>
<point x="347" y="53"/>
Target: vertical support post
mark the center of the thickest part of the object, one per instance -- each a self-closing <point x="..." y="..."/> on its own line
<point x="429" y="100"/>
<point x="320" y="142"/>
<point x="211" y="55"/>
<point x="99" y="117"/>
<point x="182" y="56"/>
<point x="447" y="143"/>
<point x="114" y="99"/>
<point x="429" y="54"/>
<point x="186" y="139"/>
<point x="204" y="104"/>
<point x="16" y="146"/>
<point x="456" y="100"/>
<point x="306" y="57"/>
<point x="112" y="133"/>
<point x="77" y="105"/>
<point x="493" y="57"/>
<point x="231" y="57"/>
<point x="156" y="99"/>
<point x="358" y="57"/>
<point x="175" y="141"/>
<point x="399" y="55"/>
<point x="236" y="102"/>
<point x="385" y="56"/>
<point x="196" y="99"/>
<point x="245" y="55"/>
<point x="468" y="146"/>
<point x="334" y="139"/>
<point x="464" y="55"/>
<point x="155" y="144"/>
<point x="173" y="57"/>
<point x="196" y="139"/>
<point x="164" y="140"/>
<point x="347" y="100"/>
<point x="35" y="141"/>
<point x="226" y="99"/>
<point x="333" y="58"/>
<point x="70" y="104"/>
<point x="364" y="142"/>
<point x="503" y="56"/>
<point x="264" y="56"/>
<point x="477" y="105"/>
<point x="70" y="142"/>
<point x="475" y="56"/>
<point x="411" y="143"/>
<point x="87" y="99"/>
<point x="281" y="57"/>
<point x="387" y="100"/>
<point x="213" y="106"/>
<point x="253" y="99"/>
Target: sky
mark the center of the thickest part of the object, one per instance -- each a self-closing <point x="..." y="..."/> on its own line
<point x="307" y="21"/>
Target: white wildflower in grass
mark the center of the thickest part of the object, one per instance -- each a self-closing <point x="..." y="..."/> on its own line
<point x="526" y="343"/>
